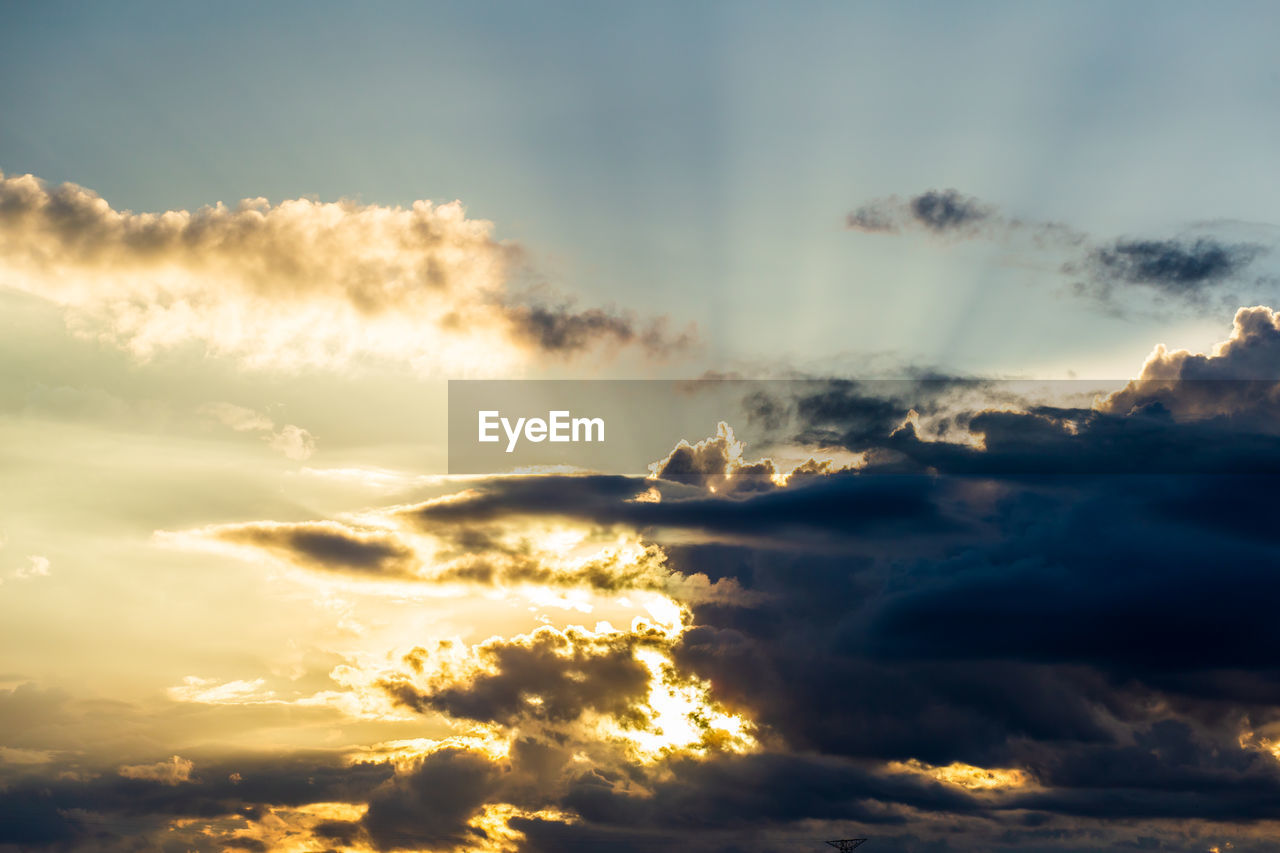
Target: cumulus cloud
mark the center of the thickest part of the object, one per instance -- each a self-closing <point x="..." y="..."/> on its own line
<point x="300" y="283"/>
<point x="1251" y="352"/>
<point x="716" y="463"/>
<point x="1239" y="378"/>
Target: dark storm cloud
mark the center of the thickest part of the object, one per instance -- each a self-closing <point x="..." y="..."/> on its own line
<point x="1169" y="769"/>
<point x="430" y="806"/>
<point x="1099" y="612"/>
<point x="744" y="803"/>
<point x="1084" y="595"/>
<point x="1050" y="646"/>
<point x="1065" y="441"/>
<point x="95" y="813"/>
<point x="838" y="507"/>
<point x="762" y="789"/>
<point x="1162" y="611"/>
<point x="1178" y="267"/>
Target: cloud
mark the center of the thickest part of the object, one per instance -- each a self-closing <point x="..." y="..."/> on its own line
<point x="716" y="463"/>
<point x="326" y="545"/>
<point x="1250" y="353"/>
<point x="1030" y="654"/>
<point x="37" y="566"/>
<point x="549" y="675"/>
<point x="936" y="211"/>
<point x="432" y="805"/>
<point x="561" y="329"/>
<point x="947" y="210"/>
<point x="292" y="441"/>
<point x="175" y="771"/>
<point x="165" y="804"/>
<point x="237" y="418"/>
<point x="1206" y="413"/>
<point x="1183" y="269"/>
<point x="518" y="555"/>
<point x="298" y="284"/>
<point x="1048" y="626"/>
<point x="1237" y="382"/>
<point x="1176" y="267"/>
<point x="865" y="509"/>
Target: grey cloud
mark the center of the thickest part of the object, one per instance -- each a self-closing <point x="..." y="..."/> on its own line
<point x="948" y="210"/>
<point x="1186" y="269"/>
<point x="111" y="812"/>
<point x="327" y="545"/>
<point x="560" y="329"/>
<point x="430" y="805"/>
<point x="836" y="508"/>
<point x="1177" y="267"/>
<point x="936" y="211"/>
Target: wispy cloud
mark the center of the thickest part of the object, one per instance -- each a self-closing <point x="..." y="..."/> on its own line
<point x="1115" y="272"/>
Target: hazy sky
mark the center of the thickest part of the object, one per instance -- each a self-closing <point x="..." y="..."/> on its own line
<point x="243" y="247"/>
<point x="697" y="159"/>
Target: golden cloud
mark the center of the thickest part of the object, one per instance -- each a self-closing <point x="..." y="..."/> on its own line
<point x="296" y="284"/>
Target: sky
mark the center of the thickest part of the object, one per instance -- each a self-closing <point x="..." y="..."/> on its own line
<point x="1019" y="598"/>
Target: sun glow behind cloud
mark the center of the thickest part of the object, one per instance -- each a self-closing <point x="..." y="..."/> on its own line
<point x="554" y="572"/>
<point x="681" y="717"/>
<point x="298" y="284"/>
<point x="965" y="776"/>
